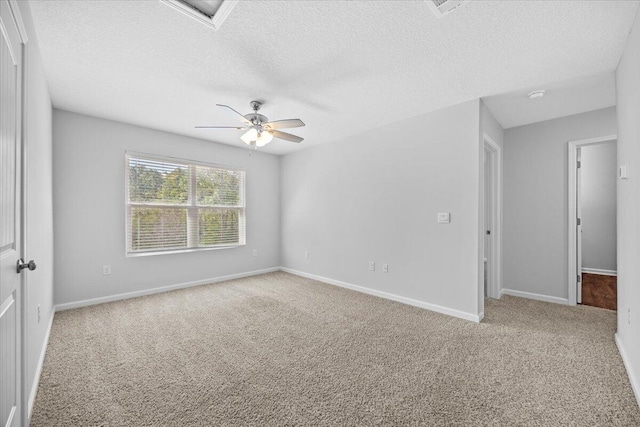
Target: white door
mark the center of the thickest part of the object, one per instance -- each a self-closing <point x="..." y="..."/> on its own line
<point x="10" y="232"/>
<point x="579" y="229"/>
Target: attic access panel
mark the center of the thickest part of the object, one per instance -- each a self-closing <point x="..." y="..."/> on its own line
<point x="207" y="7"/>
<point x="443" y="7"/>
<point x="209" y="12"/>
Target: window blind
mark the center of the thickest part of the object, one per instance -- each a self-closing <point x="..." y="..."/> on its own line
<point x="178" y="205"/>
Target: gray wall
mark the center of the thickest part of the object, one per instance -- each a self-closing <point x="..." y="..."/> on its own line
<point x="375" y="197"/>
<point x="39" y="224"/>
<point x="536" y="200"/>
<point x="598" y="201"/>
<point x="628" y="96"/>
<point x="89" y="220"/>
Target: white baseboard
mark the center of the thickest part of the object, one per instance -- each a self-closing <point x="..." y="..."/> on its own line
<point x="531" y="295"/>
<point x="386" y="295"/>
<point x="633" y="379"/>
<point x="118" y="297"/>
<point x="36" y="378"/>
<point x="600" y="271"/>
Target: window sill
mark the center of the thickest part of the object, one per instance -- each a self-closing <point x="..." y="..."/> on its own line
<point x="181" y="251"/>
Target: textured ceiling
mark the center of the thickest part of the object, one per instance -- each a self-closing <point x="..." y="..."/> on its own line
<point x="560" y="99"/>
<point x="340" y="66"/>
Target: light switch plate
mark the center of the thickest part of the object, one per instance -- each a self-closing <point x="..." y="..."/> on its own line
<point x="444" y="217"/>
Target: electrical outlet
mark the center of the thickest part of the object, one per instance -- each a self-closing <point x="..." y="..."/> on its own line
<point x="372" y="266"/>
<point x="106" y="270"/>
<point x="385" y="268"/>
<point x="255" y="252"/>
<point x="306" y="254"/>
<point x="38" y="313"/>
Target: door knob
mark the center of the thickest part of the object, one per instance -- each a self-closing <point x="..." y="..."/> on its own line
<point x="21" y="265"/>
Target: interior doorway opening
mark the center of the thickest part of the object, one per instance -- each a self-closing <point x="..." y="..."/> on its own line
<point x="592" y="222"/>
<point x="492" y="208"/>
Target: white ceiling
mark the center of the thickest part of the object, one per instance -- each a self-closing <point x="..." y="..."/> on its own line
<point x="560" y="99"/>
<point x="340" y="66"/>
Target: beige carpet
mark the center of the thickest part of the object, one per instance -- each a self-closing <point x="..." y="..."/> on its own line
<point x="281" y="350"/>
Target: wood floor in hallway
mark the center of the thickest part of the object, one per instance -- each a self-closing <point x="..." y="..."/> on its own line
<point x="599" y="291"/>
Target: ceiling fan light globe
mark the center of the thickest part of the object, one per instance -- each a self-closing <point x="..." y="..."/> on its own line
<point x="250" y="136"/>
<point x="263" y="138"/>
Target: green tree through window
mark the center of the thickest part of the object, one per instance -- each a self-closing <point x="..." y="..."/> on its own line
<point x="173" y="205"/>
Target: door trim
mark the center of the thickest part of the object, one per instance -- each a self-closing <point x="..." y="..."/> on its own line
<point x="17" y="16"/>
<point x="24" y="350"/>
<point x="572" y="236"/>
<point x="495" y="282"/>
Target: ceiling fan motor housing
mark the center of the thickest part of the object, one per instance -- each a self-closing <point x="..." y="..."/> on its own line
<point x="256" y="118"/>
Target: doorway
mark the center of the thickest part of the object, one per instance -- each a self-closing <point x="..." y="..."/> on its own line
<point x="492" y="207"/>
<point x="592" y="222"/>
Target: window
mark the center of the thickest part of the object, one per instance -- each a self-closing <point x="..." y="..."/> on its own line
<point x="175" y="205"/>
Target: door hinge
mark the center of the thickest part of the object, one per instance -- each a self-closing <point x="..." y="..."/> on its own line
<point x="579" y="164"/>
<point x="579" y="278"/>
<point x="579" y="221"/>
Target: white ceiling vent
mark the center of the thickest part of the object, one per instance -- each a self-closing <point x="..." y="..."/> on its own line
<point x="209" y="12"/>
<point x="442" y="7"/>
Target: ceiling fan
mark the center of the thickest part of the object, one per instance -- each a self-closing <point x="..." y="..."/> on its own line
<point x="260" y="131"/>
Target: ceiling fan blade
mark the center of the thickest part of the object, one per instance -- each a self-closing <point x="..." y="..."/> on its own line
<point x="284" y="124"/>
<point x="286" y="136"/>
<point x="235" y="114"/>
<point x="220" y="127"/>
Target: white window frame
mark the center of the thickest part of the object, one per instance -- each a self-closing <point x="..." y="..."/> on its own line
<point x="192" y="207"/>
